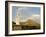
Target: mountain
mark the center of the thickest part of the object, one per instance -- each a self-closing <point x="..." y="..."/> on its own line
<point x="30" y="22"/>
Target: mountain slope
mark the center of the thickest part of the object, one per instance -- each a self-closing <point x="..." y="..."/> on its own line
<point x="29" y="22"/>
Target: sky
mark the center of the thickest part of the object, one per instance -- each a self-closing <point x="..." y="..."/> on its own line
<point x="24" y="12"/>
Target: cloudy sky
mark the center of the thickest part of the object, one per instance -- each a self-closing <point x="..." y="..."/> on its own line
<point x="25" y="12"/>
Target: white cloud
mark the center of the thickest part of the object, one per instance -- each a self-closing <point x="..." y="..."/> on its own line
<point x="20" y="9"/>
<point x="18" y="13"/>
